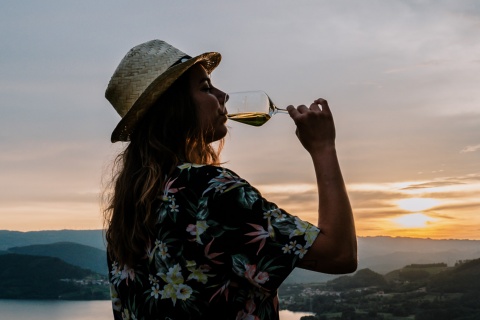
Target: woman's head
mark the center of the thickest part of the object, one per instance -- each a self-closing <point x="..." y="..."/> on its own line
<point x="185" y="119"/>
<point x="145" y="73"/>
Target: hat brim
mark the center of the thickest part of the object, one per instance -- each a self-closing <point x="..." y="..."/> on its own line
<point x="210" y="60"/>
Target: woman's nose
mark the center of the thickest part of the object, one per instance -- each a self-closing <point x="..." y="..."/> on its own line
<point x="224" y="102"/>
<point x="222" y="97"/>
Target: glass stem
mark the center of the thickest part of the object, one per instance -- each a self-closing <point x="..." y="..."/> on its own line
<point x="280" y="110"/>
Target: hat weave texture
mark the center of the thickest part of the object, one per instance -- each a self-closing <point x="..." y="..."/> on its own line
<point x="146" y="72"/>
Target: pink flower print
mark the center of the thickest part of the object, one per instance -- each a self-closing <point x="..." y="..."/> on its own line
<point x="212" y="255"/>
<point x="262" y="277"/>
<point x="250" y="270"/>
<point x="250" y="306"/>
<point x="242" y="315"/>
<point x="192" y="229"/>
<point x="247" y="313"/>
<point x="261" y="235"/>
<point x="127" y="273"/>
<point x="197" y="230"/>
<point x="168" y="189"/>
<point x="222" y="289"/>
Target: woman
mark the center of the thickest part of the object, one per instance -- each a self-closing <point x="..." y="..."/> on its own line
<point x="187" y="238"/>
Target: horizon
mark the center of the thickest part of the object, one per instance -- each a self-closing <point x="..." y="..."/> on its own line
<point x="376" y="236"/>
<point x="400" y="77"/>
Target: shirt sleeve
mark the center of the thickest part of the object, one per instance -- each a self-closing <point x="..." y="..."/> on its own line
<point x="264" y="242"/>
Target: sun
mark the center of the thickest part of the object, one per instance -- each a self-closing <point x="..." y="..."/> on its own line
<point x="417" y="204"/>
<point x="414" y="220"/>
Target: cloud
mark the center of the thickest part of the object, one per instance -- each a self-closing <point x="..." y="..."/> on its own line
<point x="456" y="202"/>
<point x="460" y="205"/>
<point x="470" y="148"/>
<point x="433" y="184"/>
<point x="426" y="64"/>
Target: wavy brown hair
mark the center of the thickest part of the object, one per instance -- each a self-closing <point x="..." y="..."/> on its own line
<point x="168" y="135"/>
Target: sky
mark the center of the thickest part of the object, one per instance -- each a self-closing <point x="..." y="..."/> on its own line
<point x="401" y="78"/>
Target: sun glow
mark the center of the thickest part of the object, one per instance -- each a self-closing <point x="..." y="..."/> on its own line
<point x="414" y="220"/>
<point x="417" y="204"/>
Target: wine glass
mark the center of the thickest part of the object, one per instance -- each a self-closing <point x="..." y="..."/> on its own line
<point x="251" y="107"/>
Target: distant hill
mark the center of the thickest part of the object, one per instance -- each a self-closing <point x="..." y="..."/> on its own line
<point x="361" y="279"/>
<point x="384" y="254"/>
<point x="415" y="272"/>
<point x="76" y="254"/>
<point x="299" y="275"/>
<point x="462" y="278"/>
<point x="35" y="277"/>
<point x="92" y="238"/>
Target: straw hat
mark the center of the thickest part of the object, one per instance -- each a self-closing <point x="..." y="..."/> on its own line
<point x="145" y="72"/>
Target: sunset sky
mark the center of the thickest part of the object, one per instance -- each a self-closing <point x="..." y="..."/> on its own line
<point x="402" y="79"/>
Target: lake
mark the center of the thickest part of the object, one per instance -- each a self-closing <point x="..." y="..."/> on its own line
<point x="75" y="310"/>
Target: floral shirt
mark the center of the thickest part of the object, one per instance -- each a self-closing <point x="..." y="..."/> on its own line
<point x="221" y="252"/>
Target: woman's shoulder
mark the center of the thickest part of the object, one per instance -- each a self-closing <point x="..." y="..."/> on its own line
<point x="205" y="170"/>
<point x="208" y="177"/>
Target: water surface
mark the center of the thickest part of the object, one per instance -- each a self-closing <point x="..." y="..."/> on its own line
<point x="75" y="310"/>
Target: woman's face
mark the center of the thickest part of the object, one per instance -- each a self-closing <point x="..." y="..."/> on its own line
<point x="209" y="103"/>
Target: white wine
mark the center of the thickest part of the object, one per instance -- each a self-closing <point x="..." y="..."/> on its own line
<point x="251" y="118"/>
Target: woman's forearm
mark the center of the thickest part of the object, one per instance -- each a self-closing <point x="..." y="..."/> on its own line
<point x="335" y="217"/>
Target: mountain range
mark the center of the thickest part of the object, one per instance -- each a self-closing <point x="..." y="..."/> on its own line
<point x="86" y="249"/>
<point x="79" y="255"/>
<point x="42" y="277"/>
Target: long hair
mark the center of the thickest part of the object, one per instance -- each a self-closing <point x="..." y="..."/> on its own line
<point x="168" y="135"/>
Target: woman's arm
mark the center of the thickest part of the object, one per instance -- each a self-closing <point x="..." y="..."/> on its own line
<point x="335" y="249"/>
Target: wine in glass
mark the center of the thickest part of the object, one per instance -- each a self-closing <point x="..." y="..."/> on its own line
<point x="251" y="107"/>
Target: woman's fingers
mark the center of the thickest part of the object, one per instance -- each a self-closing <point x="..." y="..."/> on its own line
<point x="315" y="127"/>
<point x="323" y="103"/>
<point x="314" y="106"/>
<point x="317" y="105"/>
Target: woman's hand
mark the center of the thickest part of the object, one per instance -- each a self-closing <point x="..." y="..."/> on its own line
<point x="315" y="126"/>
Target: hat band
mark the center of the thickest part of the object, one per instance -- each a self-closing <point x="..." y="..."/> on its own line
<point x="181" y="60"/>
